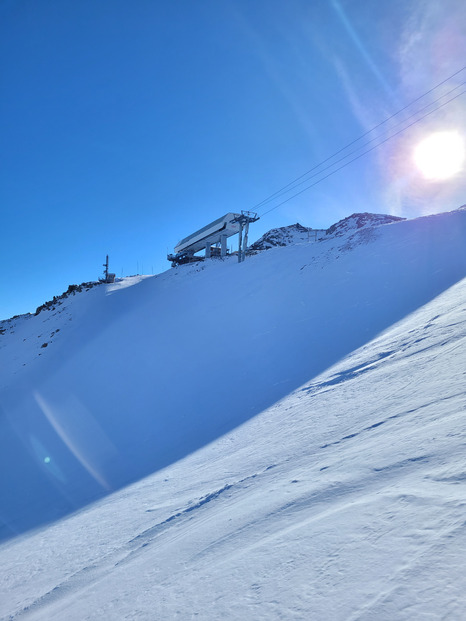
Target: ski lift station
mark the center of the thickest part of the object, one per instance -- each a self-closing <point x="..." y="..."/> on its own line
<point x="213" y="238"/>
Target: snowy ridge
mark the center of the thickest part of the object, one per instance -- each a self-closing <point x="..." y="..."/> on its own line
<point x="297" y="233"/>
<point x="359" y="221"/>
<point x="330" y="487"/>
<point x="24" y="338"/>
<point x="286" y="236"/>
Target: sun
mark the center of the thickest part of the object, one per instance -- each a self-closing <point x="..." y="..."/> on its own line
<point x="440" y="155"/>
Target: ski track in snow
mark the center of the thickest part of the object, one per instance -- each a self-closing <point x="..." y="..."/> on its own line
<point x="91" y="574"/>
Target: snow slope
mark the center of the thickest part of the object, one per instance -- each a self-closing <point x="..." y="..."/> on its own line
<point x="317" y="416"/>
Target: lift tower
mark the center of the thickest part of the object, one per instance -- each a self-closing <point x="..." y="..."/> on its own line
<point x="244" y="219"/>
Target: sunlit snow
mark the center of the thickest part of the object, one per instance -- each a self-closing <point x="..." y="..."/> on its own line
<point x="278" y="439"/>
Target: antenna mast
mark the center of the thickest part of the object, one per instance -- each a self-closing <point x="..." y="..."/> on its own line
<point x="106" y="269"/>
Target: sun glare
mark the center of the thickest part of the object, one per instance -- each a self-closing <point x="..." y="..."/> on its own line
<point x="440" y="155"/>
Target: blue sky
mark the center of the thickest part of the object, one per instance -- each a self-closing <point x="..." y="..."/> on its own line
<point x="125" y="125"/>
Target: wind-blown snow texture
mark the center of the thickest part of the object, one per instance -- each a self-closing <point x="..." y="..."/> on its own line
<point x="302" y="414"/>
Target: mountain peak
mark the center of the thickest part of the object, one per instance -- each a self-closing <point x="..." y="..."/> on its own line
<point x="360" y="220"/>
<point x="286" y="236"/>
<point x="297" y="233"/>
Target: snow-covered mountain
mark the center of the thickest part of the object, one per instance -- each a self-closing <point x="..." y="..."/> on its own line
<point x="292" y="426"/>
<point x="359" y="221"/>
<point x="286" y="236"/>
<point x="298" y="234"/>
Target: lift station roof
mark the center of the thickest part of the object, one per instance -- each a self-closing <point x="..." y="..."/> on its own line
<point x="210" y="234"/>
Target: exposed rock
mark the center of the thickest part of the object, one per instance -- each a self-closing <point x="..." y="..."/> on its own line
<point x="297" y="233"/>
<point x="286" y="236"/>
<point x="72" y="290"/>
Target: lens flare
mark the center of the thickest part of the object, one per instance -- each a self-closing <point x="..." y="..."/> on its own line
<point x="440" y="155"/>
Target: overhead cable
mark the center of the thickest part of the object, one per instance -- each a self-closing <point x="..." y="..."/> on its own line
<point x="363" y="153"/>
<point x="301" y="179"/>
<point x="293" y="185"/>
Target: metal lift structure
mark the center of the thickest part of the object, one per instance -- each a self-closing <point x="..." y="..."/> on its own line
<point x="244" y="219"/>
<point x="213" y="238"/>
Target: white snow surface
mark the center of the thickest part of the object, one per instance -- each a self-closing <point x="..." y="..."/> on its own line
<point x="278" y="439"/>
